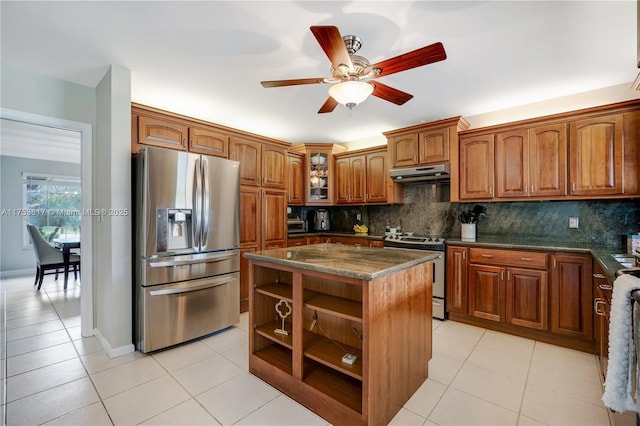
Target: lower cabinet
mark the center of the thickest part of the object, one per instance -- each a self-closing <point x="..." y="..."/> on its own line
<point x="456" y="286"/>
<point x="545" y="296"/>
<point x="603" y="292"/>
<point x="571" y="296"/>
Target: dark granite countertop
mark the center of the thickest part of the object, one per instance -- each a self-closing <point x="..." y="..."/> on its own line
<point x="601" y="254"/>
<point x="363" y="263"/>
<point x="334" y="234"/>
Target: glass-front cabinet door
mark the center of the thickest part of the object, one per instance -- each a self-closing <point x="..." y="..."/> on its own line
<point x="319" y="172"/>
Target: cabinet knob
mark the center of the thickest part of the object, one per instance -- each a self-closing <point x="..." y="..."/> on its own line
<point x="526" y="259"/>
<point x="487" y="255"/>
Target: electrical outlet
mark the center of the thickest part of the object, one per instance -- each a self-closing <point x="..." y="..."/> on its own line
<point x="573" y="222"/>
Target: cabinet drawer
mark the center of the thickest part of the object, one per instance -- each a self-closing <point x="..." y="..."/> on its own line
<point x="526" y="259"/>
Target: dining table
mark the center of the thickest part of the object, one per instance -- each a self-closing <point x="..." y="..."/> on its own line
<point x="66" y="243"/>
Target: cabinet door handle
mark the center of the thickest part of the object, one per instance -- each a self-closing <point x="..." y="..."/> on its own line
<point x="597" y="302"/>
<point x="573" y="186"/>
<point x="605" y="286"/>
<point x="526" y="189"/>
<point x="491" y="191"/>
<point x="526" y="259"/>
<point x="464" y="254"/>
<point x="487" y="255"/>
<point x="555" y="263"/>
<point x="601" y="276"/>
<point x="508" y="275"/>
<point x="502" y="275"/>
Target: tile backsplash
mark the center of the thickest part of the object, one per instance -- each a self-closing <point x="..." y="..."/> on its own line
<point x="427" y="211"/>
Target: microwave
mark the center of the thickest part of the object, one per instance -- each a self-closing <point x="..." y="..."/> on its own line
<point x="296" y="226"/>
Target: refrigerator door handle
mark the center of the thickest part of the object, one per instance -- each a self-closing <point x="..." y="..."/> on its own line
<point x="197" y="201"/>
<point x="162" y="264"/>
<point x="206" y="204"/>
<point x="211" y="283"/>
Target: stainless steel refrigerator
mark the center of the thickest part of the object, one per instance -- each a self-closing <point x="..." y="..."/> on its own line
<point x="186" y="246"/>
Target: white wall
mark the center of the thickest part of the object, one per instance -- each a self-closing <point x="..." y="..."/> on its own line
<point x="32" y="93"/>
<point x="112" y="188"/>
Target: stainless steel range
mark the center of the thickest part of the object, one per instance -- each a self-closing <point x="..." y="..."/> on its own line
<point x="405" y="242"/>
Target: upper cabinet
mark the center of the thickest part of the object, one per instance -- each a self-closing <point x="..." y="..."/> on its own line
<point x="424" y="144"/>
<point x="262" y="164"/>
<point x="595" y="147"/>
<point x="592" y="153"/>
<point x="319" y="171"/>
<point x="208" y="142"/>
<point x="477" y="166"/>
<point x="295" y="178"/>
<point x="157" y="131"/>
<point x="362" y="177"/>
<point x="531" y="162"/>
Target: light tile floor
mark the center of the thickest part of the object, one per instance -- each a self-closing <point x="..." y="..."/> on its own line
<point x="50" y="374"/>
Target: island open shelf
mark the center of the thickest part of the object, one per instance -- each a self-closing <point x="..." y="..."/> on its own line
<point x="368" y="302"/>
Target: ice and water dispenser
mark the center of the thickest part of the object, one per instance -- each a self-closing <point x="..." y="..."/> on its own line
<point x="173" y="229"/>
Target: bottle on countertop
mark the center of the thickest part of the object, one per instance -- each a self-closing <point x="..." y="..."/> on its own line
<point x="387" y="230"/>
<point x="399" y="227"/>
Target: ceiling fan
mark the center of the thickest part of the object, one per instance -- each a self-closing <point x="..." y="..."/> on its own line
<point x="353" y="73"/>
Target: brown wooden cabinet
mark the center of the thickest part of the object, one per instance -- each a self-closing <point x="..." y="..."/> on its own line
<point x="425" y="143"/>
<point x="595" y="152"/>
<point x="477" y="166"/>
<point x="350" y="179"/>
<point x="165" y="133"/>
<point x="456" y="287"/>
<point x="548" y="160"/>
<point x="379" y="186"/>
<point x="531" y="162"/>
<point x="295" y="178"/>
<point x="319" y="172"/>
<point x="585" y="154"/>
<point x="527" y="298"/>
<point x="362" y="177"/>
<point x="486" y="292"/>
<point x="306" y="362"/>
<point x="262" y="164"/>
<point x="208" y="142"/>
<point x="571" y="296"/>
<point x="603" y="293"/>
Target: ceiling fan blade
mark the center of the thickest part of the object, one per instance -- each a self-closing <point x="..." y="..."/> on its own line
<point x="390" y="94"/>
<point x="416" y="58"/>
<point x="331" y="42"/>
<point x="280" y="83"/>
<point x="329" y="105"/>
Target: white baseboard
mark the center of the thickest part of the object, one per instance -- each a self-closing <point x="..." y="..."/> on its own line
<point x="113" y="352"/>
<point x="18" y="272"/>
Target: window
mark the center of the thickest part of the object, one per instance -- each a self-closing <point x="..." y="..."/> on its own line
<point x="52" y="203"/>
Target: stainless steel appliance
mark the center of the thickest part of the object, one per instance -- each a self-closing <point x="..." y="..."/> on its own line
<point x="186" y="239"/>
<point x="296" y="226"/>
<point x="430" y="173"/>
<point x="405" y="242"/>
<point x="321" y="220"/>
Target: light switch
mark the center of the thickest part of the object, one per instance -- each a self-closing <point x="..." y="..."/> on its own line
<point x="573" y="222"/>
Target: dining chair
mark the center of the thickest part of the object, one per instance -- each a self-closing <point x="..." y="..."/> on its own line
<point x="48" y="257"/>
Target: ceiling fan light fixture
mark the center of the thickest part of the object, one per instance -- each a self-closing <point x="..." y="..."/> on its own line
<point x="350" y="93"/>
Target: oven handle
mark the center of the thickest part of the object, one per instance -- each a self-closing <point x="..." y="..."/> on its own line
<point x="210" y="284"/>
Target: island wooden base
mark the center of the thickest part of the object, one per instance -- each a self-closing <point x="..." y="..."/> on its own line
<point x="386" y="322"/>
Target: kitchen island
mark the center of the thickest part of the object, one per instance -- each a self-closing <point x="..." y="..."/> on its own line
<point x="371" y="304"/>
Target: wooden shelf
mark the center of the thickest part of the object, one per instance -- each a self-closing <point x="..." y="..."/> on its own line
<point x="326" y="352"/>
<point x="277" y="356"/>
<point x="277" y="290"/>
<point x="267" y="330"/>
<point x="344" y="389"/>
<point x="338" y="306"/>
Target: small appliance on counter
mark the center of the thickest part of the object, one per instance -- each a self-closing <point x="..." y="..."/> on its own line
<point x="321" y="220"/>
<point x="296" y="226"/>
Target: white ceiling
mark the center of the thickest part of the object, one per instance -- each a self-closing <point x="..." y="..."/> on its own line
<point x="206" y="58"/>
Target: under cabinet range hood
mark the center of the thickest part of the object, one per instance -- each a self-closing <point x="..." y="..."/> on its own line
<point x="427" y="173"/>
